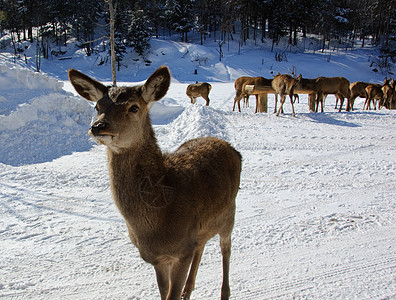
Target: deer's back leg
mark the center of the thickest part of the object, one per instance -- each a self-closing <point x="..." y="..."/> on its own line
<point x="283" y="98"/>
<point x="276" y="102"/>
<point x="341" y="98"/>
<point x="292" y="104"/>
<point x="350" y="102"/>
<point x="237" y="99"/>
<point x="206" y="97"/>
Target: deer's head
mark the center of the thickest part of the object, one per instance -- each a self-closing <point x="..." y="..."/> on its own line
<point x="122" y="117"/>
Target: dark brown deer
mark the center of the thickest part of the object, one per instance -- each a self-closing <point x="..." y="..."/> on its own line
<point x="338" y="86"/>
<point x="307" y="86"/>
<point x="283" y="84"/>
<point x="172" y="203"/>
<point x="199" y="89"/>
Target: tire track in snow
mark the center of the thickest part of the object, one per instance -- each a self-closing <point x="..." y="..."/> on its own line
<point x="339" y="274"/>
<point x="89" y="290"/>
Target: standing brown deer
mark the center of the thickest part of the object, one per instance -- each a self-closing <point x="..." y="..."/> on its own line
<point x="243" y="83"/>
<point x="307" y="86"/>
<point x="199" y="89"/>
<point x="388" y="92"/>
<point x="338" y="86"/>
<point x="357" y="89"/>
<point x="392" y="104"/>
<point x="374" y="95"/>
<point x="238" y="92"/>
<point x="172" y="203"/>
<point x="283" y="84"/>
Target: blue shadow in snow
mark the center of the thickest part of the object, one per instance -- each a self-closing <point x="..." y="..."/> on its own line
<point x="328" y="118"/>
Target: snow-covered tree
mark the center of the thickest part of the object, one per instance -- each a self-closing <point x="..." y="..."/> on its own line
<point x="179" y="14"/>
<point x="139" y="32"/>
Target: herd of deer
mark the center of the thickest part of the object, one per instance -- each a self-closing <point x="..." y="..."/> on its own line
<point x="317" y="90"/>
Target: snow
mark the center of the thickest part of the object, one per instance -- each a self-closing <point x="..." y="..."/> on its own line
<point x="315" y="212"/>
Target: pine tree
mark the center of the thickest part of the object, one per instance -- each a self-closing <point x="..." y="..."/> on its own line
<point x="139" y="32"/>
<point x="180" y="17"/>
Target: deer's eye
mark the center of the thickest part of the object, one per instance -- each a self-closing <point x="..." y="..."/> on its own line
<point x="96" y="107"/>
<point x="134" y="109"/>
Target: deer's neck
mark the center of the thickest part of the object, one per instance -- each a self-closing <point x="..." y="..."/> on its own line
<point x="136" y="175"/>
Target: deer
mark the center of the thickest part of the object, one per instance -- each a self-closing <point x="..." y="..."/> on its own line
<point x="306" y="86"/>
<point x="199" y="89"/>
<point x="357" y="89"/>
<point x="392" y="104"/>
<point x="388" y="91"/>
<point x="238" y="92"/>
<point x="250" y="81"/>
<point x="172" y="203"/>
<point x="283" y="84"/>
<point x="374" y="95"/>
<point x="338" y="86"/>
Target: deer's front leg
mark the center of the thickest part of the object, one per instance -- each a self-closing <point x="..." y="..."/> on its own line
<point x="178" y="276"/>
<point x="162" y="272"/>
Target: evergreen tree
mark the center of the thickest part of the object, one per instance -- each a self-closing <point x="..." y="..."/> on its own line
<point x="139" y="32"/>
<point x="180" y="16"/>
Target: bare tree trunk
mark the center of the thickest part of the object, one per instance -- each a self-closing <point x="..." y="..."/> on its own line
<point x="112" y="49"/>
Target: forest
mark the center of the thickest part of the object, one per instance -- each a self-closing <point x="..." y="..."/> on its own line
<point x="335" y="22"/>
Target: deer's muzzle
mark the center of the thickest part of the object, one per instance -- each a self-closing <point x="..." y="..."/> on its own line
<point x="99" y="128"/>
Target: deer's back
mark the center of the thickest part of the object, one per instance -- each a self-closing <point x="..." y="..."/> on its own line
<point x="239" y="82"/>
<point x="200" y="88"/>
<point x="374" y="90"/>
<point x="332" y="85"/>
<point x="204" y="172"/>
<point x="283" y="83"/>
<point x="358" y="88"/>
<point x="305" y="84"/>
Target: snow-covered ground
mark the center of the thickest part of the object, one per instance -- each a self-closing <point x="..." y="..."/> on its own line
<point x="315" y="212"/>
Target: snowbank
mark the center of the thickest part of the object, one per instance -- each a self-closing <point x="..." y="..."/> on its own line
<point x="195" y="121"/>
<point x="38" y="120"/>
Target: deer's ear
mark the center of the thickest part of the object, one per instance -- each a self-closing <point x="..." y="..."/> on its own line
<point x="156" y="85"/>
<point x="87" y="87"/>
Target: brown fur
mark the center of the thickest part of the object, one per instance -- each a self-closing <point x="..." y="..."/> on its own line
<point x="357" y="89"/>
<point x="388" y="92"/>
<point x="338" y="86"/>
<point x="172" y="203"/>
<point x="250" y="81"/>
<point x="283" y="84"/>
<point x="374" y="94"/>
<point x="238" y="92"/>
<point x="306" y="86"/>
<point x="199" y="89"/>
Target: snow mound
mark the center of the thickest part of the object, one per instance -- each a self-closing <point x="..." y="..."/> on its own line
<point x="165" y="111"/>
<point x="42" y="122"/>
<point x="19" y="86"/>
<point x="195" y="121"/>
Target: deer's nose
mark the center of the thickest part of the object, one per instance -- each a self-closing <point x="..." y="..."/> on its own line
<point x="97" y="127"/>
